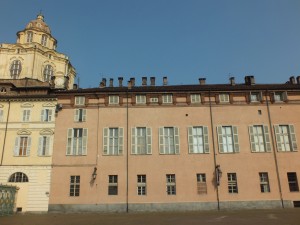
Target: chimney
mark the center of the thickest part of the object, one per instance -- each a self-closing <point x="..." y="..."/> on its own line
<point x="120" y="81"/>
<point x="75" y="87"/>
<point x="129" y="84"/>
<point x="249" y="80"/>
<point x="101" y="84"/>
<point x="298" y="79"/>
<point x="111" y="82"/>
<point x="104" y="82"/>
<point x="152" y="81"/>
<point x="292" y="80"/>
<point x="132" y="80"/>
<point x="144" y="81"/>
<point x="202" y="81"/>
<point x="165" y="81"/>
<point x="232" y="81"/>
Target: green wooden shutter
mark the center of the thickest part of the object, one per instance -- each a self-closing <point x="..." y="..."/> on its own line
<point x="277" y="136"/>
<point x="260" y="95"/>
<point x="205" y="139"/>
<point x="133" y="141"/>
<point x="42" y="115"/>
<point x="161" y="141"/>
<point x="69" y="141"/>
<point x="16" y="148"/>
<point x="40" y="148"/>
<point x="293" y="138"/>
<point x="284" y="96"/>
<point x="252" y="140"/>
<point x="236" y="139"/>
<point x="190" y="139"/>
<point x="149" y="140"/>
<point x="50" y="150"/>
<point x="83" y="115"/>
<point x="121" y="140"/>
<point x="84" y="141"/>
<point x="105" y="141"/>
<point x="28" y="146"/>
<point x="177" y="141"/>
<point x="220" y="139"/>
<point x="76" y="115"/>
<point x="267" y="139"/>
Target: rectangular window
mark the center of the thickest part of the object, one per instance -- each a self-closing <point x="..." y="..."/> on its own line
<point x="171" y="184"/>
<point x="113" y="185"/>
<point x="74" y="186"/>
<point x="224" y="98"/>
<point x="141" y="99"/>
<point x="169" y="140"/>
<point x="280" y="96"/>
<point x="44" y="40"/>
<point x="228" y="139"/>
<point x="167" y="98"/>
<point x="79" y="100"/>
<point x="77" y="141"/>
<point x="232" y="183"/>
<point x="1" y="115"/>
<point x="80" y="115"/>
<point x="113" y="141"/>
<point x="195" y="98"/>
<point x="26" y="115"/>
<point x="293" y="182"/>
<point x="259" y="138"/>
<point x="141" y="140"/>
<point x="198" y="139"/>
<point x="153" y="100"/>
<point x="22" y="146"/>
<point x="201" y="183"/>
<point x="46" y="115"/>
<point x="255" y="96"/>
<point x="264" y="182"/>
<point x="113" y="99"/>
<point x="141" y="185"/>
<point x="45" y="145"/>
<point x="285" y="138"/>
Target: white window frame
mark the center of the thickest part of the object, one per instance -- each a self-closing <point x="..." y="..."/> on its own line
<point x="74" y="186"/>
<point x="80" y="115"/>
<point x="232" y="183"/>
<point x="285" y="140"/>
<point x="259" y="141"/>
<point x="137" y="148"/>
<point x="45" y="145"/>
<point x="112" y="141"/>
<point x="264" y="182"/>
<point x="224" y="98"/>
<point x="198" y="143"/>
<point x="44" y="39"/>
<point x="29" y="36"/>
<point x="48" y="72"/>
<point x="140" y="99"/>
<point x="169" y="140"/>
<point x="26" y="115"/>
<point x="113" y="183"/>
<point x="167" y="98"/>
<point x="79" y="100"/>
<point x="20" y="149"/>
<point x="255" y="97"/>
<point x="195" y="98"/>
<point x="141" y="184"/>
<point x="15" y="69"/>
<point x="113" y="99"/>
<point x="171" y="184"/>
<point x="280" y="96"/>
<point x="46" y="115"/>
<point x="224" y="139"/>
<point x="201" y="183"/>
<point x="77" y="145"/>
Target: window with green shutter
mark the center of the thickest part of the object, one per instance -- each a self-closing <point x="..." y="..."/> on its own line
<point x="113" y="139"/>
<point x="141" y="140"/>
<point x="228" y="139"/>
<point x="77" y="141"/>
<point x="198" y="139"/>
<point x="169" y="140"/>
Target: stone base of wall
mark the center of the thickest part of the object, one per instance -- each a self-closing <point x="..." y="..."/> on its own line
<point x="159" y="207"/>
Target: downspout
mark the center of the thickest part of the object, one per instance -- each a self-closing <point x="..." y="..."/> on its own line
<point x="274" y="149"/>
<point x="97" y="158"/>
<point x="214" y="150"/>
<point x="33" y="61"/>
<point x="127" y="160"/>
<point x="5" y="133"/>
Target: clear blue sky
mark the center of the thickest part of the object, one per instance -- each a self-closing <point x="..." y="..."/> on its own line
<point x="183" y="40"/>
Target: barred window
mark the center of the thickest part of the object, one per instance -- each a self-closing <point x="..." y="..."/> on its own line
<point x="74" y="186"/>
<point x="15" y="69"/>
<point x="18" y="177"/>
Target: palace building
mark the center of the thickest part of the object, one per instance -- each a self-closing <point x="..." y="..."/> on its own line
<point x="141" y="147"/>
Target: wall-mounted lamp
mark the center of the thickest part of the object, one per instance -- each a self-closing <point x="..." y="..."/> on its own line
<point x="94" y="174"/>
<point x="58" y="108"/>
<point x="218" y="174"/>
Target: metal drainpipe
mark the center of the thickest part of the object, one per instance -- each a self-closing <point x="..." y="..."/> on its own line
<point x="33" y="62"/>
<point x="214" y="150"/>
<point x="6" y="124"/>
<point x="127" y="160"/>
<point x="274" y="149"/>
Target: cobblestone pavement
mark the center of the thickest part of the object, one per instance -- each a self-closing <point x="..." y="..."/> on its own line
<point x="245" y="217"/>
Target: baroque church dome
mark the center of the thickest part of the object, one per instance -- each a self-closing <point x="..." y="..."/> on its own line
<point x="38" y="24"/>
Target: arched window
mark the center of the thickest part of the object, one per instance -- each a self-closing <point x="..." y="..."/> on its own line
<point x="44" y="40"/>
<point x="18" y="177"/>
<point x="29" y="36"/>
<point x="48" y="72"/>
<point x="15" y="69"/>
